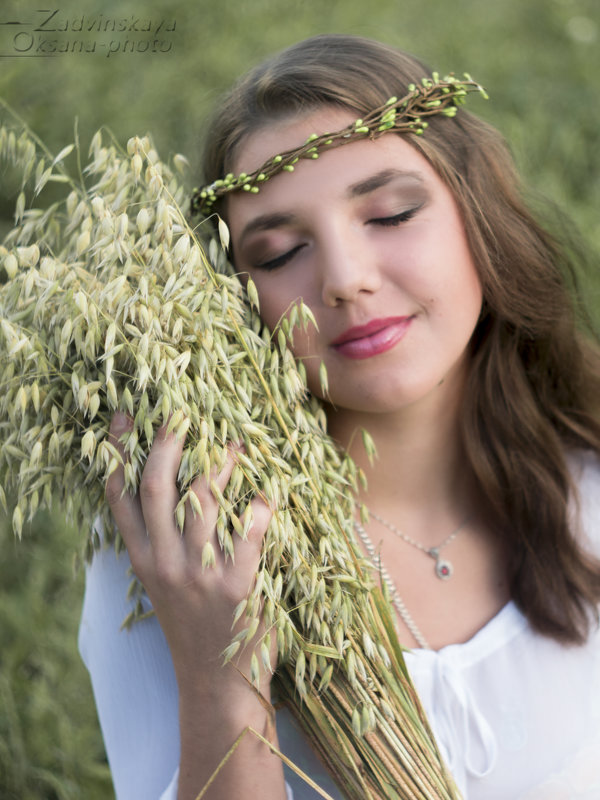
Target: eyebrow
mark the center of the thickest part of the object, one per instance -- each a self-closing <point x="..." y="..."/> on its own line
<point x="278" y="219"/>
<point x="380" y="179"/>
<point x="266" y="222"/>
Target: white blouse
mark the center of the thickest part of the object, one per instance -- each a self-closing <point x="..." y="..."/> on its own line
<point x="516" y="715"/>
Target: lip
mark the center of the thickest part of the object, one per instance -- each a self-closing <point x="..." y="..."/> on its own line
<point x="377" y="336"/>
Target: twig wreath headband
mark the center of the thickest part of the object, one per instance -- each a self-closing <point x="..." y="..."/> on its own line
<point x="433" y="96"/>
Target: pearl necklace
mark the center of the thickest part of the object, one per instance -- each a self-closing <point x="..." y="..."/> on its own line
<point x="443" y="568"/>
<point x="397" y="601"/>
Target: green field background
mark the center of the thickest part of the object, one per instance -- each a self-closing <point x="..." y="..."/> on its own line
<point x="540" y="61"/>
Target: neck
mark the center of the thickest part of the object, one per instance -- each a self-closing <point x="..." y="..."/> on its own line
<point x="419" y="477"/>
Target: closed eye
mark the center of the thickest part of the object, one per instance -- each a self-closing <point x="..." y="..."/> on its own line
<point x="279" y="261"/>
<point x="396" y="219"/>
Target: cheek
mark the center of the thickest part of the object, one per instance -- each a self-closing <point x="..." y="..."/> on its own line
<point x="462" y="308"/>
<point x="458" y="285"/>
<point x="469" y="289"/>
<point x="269" y="312"/>
<point x="452" y="298"/>
<point x="274" y="307"/>
<point x="278" y="293"/>
<point x="457" y="305"/>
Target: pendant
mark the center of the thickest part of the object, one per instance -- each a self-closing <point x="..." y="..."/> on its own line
<point x="443" y="569"/>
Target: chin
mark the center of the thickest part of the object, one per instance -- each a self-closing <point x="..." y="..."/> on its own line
<point x="380" y="403"/>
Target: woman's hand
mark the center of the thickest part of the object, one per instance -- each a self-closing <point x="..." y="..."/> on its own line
<point x="195" y="608"/>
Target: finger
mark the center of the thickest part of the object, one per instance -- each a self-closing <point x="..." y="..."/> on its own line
<point x="248" y="551"/>
<point x="125" y="507"/>
<point x="201" y="527"/>
<point x="159" y="494"/>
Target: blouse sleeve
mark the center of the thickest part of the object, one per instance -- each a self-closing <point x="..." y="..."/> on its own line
<point x="134" y="685"/>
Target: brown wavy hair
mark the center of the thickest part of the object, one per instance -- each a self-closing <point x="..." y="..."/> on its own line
<point x="533" y="392"/>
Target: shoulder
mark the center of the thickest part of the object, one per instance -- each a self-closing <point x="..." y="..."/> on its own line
<point x="585" y="470"/>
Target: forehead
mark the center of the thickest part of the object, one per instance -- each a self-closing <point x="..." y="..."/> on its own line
<point x="329" y="175"/>
<point x="292" y="131"/>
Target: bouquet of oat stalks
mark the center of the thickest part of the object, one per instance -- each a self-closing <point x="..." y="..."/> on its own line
<point x="110" y="300"/>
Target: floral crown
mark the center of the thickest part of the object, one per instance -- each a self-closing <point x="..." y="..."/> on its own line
<point x="432" y="96"/>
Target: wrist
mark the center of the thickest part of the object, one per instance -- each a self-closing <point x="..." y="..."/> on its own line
<point x="227" y="697"/>
<point x="218" y="745"/>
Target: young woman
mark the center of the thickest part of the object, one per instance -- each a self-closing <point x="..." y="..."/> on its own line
<point x="447" y="329"/>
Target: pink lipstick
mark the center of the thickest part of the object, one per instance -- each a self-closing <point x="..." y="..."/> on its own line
<point x="377" y="336"/>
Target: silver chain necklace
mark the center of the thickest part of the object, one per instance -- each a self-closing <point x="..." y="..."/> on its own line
<point x="443" y="568"/>
<point x="397" y="601"/>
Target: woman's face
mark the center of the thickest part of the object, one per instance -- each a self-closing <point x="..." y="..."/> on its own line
<point x="371" y="239"/>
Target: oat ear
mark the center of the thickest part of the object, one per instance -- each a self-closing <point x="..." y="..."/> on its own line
<point x="110" y="303"/>
<point x="224" y="234"/>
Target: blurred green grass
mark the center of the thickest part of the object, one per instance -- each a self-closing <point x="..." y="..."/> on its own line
<point x="540" y="61"/>
<point x="50" y="746"/>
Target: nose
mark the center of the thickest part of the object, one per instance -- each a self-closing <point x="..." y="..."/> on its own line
<point x="348" y="266"/>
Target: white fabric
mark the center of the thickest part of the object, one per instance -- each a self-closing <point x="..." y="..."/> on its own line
<point x="516" y="715"/>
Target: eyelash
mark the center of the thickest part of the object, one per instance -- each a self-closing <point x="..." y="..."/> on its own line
<point x="384" y="222"/>
<point x="390" y="222"/>
<point x="275" y="263"/>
